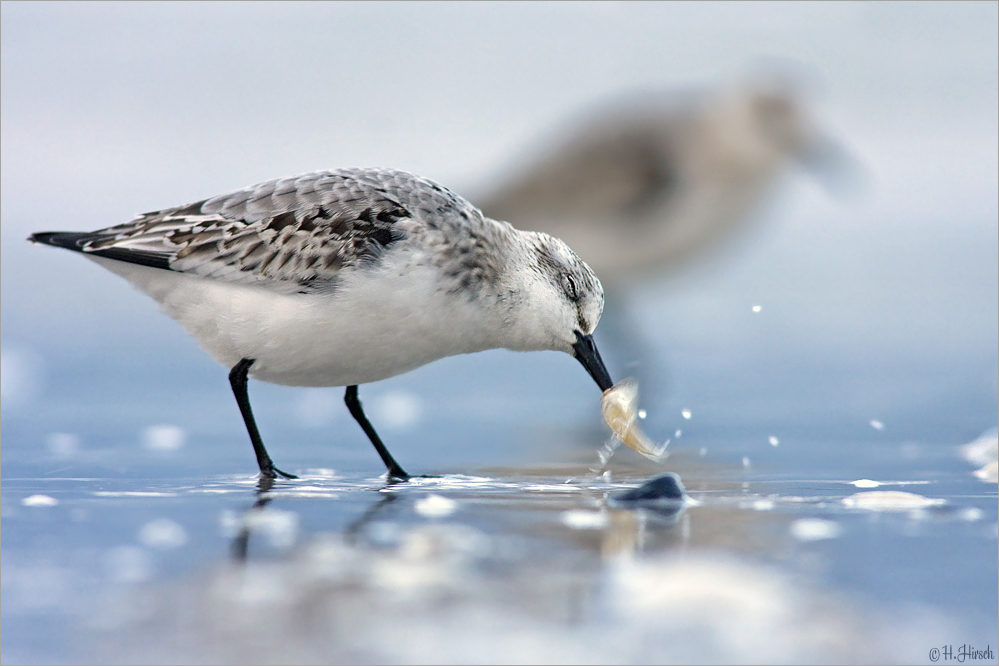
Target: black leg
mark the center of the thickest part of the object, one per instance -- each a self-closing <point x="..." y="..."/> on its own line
<point x="237" y="378"/>
<point x="354" y="405"/>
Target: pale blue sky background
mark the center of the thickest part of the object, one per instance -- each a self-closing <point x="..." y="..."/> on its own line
<point x="109" y="110"/>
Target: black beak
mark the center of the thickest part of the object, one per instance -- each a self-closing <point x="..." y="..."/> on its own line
<point x="587" y="354"/>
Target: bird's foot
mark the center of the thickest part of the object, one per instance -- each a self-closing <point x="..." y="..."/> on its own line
<point x="397" y="475"/>
<point x="272" y="472"/>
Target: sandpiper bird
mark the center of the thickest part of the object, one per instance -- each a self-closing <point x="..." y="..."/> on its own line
<point x="343" y="277"/>
<point x="653" y="181"/>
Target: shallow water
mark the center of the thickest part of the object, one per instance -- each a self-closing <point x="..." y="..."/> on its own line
<point x="502" y="565"/>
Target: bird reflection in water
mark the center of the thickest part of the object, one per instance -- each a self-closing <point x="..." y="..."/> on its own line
<point x="657" y="506"/>
<point x="630" y="521"/>
<point x="239" y="548"/>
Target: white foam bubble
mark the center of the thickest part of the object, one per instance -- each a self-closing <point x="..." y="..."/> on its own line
<point x="988" y="472"/>
<point x="773" y="441"/>
<point x="320" y="473"/>
<point x="970" y="514"/>
<point x="584" y="520"/>
<point x="815" y="529"/>
<point x="435" y="506"/>
<point x="39" y="500"/>
<point x="685" y="413"/>
<point x="984" y="450"/>
<point x="890" y="500"/>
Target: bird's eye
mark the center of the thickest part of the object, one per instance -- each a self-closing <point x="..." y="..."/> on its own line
<point x="570" y="288"/>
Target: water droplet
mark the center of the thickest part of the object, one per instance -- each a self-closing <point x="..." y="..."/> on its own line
<point x="774" y="441"/>
<point x="686" y="413"/>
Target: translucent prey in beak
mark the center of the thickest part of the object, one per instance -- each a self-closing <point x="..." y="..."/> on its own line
<point x="586" y="353"/>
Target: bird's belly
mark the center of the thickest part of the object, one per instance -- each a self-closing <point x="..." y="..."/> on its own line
<point x="369" y="329"/>
<point x="314" y="344"/>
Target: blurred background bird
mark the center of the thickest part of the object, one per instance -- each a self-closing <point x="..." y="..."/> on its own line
<point x="650" y="182"/>
<point x="653" y="182"/>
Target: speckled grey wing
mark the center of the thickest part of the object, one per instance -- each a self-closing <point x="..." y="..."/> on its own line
<point x="293" y="234"/>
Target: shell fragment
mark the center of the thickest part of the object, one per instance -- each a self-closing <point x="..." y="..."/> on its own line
<point x="620" y="408"/>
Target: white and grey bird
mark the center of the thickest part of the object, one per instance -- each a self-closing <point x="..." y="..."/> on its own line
<point x="654" y="180"/>
<point x="343" y="277"/>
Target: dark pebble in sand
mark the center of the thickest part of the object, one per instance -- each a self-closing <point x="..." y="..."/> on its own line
<point x="665" y="487"/>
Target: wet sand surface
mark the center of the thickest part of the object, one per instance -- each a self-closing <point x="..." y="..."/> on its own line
<point x="534" y="564"/>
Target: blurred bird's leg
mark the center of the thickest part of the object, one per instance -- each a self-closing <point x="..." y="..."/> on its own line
<point x="838" y="170"/>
